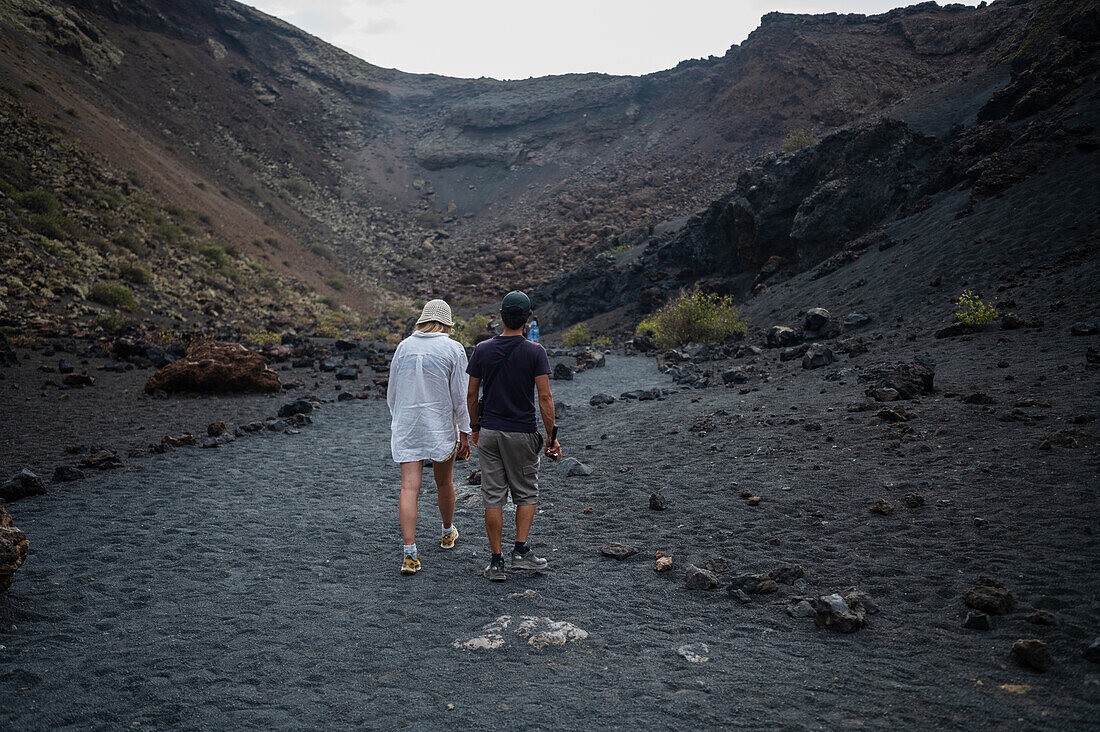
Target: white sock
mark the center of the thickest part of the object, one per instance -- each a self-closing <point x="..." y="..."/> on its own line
<point x="410" y="549"/>
<point x="446" y="529"/>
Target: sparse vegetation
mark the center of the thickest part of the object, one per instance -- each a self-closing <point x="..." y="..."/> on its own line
<point x="694" y="316"/>
<point x="214" y="254"/>
<point x="263" y="338"/>
<point x="465" y="331"/>
<point x="323" y="251"/>
<point x="337" y="283"/>
<point x="33" y="85"/>
<point x="974" y="311"/>
<point x="578" y="335"/>
<point x="134" y="273"/>
<point x="797" y="139"/>
<point x="110" y="321"/>
<point x="114" y="294"/>
<point x="329" y="302"/>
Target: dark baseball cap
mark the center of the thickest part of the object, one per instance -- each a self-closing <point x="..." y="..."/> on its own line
<point x="516" y="300"/>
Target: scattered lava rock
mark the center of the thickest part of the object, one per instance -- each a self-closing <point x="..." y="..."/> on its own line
<point x="562" y="372"/>
<point x="1068" y="438"/>
<point x="1084" y="328"/>
<point x="216" y="429"/>
<point x="754" y="584"/>
<point x="663" y="562"/>
<point x="13" y="548"/>
<point x="78" y="381"/>
<point x="657" y="501"/>
<point x="67" y="473"/>
<point x="617" y="551"/>
<point x="816" y="319"/>
<point x="914" y="500"/>
<point x="978" y="397"/>
<point x="1092" y="652"/>
<point x="977" y="620"/>
<point x="1033" y="653"/>
<point x="882" y="507"/>
<point x="215" y="367"/>
<point x="299" y="406"/>
<point x="817" y="357"/>
<point x="348" y="373"/>
<point x="1042" y="617"/>
<point x="835" y="612"/>
<point x="780" y="336"/>
<point x="989" y="596"/>
<point x="696" y="578"/>
<point x="183" y="440"/>
<point x="475" y="478"/>
<point x="787" y="573"/>
<point x="601" y="399"/>
<point x="21" y="485"/>
<point x="102" y="460"/>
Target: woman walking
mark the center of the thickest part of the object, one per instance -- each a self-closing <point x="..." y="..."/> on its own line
<point x="429" y="420"/>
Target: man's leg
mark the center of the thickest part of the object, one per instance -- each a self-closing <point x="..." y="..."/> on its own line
<point x="524" y="516"/>
<point x="445" y="486"/>
<point x="494" y="528"/>
<point x="411" y="474"/>
<point x="494" y="494"/>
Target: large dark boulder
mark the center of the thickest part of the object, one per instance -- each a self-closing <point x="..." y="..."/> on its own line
<point x="22" y="484"/>
<point x="214" y="367"/>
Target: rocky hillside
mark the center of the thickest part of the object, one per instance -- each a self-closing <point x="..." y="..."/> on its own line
<point x="822" y="207"/>
<point x="421" y="184"/>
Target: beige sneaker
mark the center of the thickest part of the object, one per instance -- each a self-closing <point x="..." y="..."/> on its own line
<point x="449" y="537"/>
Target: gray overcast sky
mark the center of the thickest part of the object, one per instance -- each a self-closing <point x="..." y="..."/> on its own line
<point x="514" y="39"/>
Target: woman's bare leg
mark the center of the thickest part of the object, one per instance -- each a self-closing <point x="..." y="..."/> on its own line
<point x="411" y="474"/>
<point x="445" y="485"/>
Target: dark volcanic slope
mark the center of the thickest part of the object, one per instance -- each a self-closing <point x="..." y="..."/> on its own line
<point x="428" y="180"/>
<point x="825" y="205"/>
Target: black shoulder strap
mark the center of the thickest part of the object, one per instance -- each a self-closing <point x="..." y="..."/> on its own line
<point x="496" y="369"/>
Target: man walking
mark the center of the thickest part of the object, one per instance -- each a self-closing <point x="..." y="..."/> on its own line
<point x="505" y="430"/>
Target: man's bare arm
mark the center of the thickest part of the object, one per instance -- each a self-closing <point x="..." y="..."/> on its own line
<point x="471" y="404"/>
<point x="546" y="406"/>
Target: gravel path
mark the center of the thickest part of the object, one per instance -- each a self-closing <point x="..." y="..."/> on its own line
<point x="255" y="586"/>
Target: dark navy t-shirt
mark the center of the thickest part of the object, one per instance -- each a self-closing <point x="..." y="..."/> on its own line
<point x="510" y="401"/>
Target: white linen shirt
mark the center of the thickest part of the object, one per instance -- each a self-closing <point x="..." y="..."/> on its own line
<point x="427" y="397"/>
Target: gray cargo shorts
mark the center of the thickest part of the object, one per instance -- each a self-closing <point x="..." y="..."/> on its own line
<point x="509" y="463"/>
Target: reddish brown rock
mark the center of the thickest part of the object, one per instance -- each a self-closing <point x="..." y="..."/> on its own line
<point x="13" y="548"/>
<point x="216" y="367"/>
<point x="216" y="429"/>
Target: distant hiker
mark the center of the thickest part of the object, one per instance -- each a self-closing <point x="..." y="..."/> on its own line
<point x="492" y="325"/>
<point x="533" y="329"/>
<point x="427" y="399"/>
<point x="505" y="432"/>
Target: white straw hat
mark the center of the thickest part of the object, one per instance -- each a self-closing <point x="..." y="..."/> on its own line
<point x="437" y="310"/>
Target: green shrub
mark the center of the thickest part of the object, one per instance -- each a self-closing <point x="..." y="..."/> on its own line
<point x="214" y="254"/>
<point x="54" y="226"/>
<point x="578" y="335"/>
<point x="694" y="316"/>
<point x="974" y="312"/>
<point x="798" y="139"/>
<point x="263" y="338"/>
<point x="129" y="242"/>
<point x="329" y="301"/>
<point x="112" y="321"/>
<point x="134" y="273"/>
<point x="114" y="294"/>
<point x="602" y="342"/>
<point x="464" y="331"/>
<point x="322" y="250"/>
<point x="337" y="283"/>
<point x="38" y="201"/>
